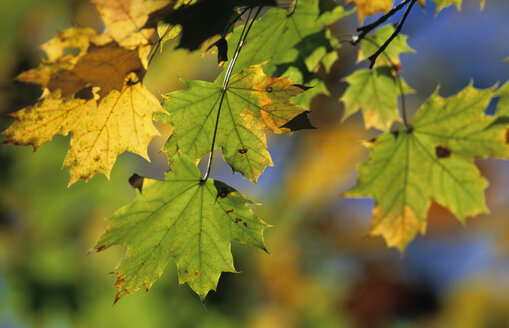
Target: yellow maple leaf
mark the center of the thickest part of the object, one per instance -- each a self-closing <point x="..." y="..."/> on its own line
<point x="101" y="130"/>
<point x="124" y="19"/>
<point x="370" y="7"/>
<point x="99" y="63"/>
<point x="95" y="94"/>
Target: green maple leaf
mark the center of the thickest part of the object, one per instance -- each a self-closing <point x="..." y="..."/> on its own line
<point x="432" y="160"/>
<point x="390" y="57"/>
<point x="278" y="31"/>
<point x="304" y="59"/>
<point x="374" y="92"/>
<point x="185" y="219"/>
<point x="251" y="104"/>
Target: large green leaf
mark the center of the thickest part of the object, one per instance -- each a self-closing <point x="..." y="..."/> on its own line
<point x="375" y="92"/>
<point x="432" y="160"/>
<point x="251" y="104"/>
<point x="278" y="31"/>
<point x="185" y="219"/>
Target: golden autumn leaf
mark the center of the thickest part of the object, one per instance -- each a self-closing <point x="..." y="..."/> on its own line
<point x="96" y="95"/>
<point x="101" y="130"/>
<point x="105" y="67"/>
<point x="398" y="228"/>
<point x="370" y="7"/>
<point x="124" y="19"/>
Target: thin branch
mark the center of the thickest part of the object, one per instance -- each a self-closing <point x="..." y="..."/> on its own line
<point x="226" y="81"/>
<point x="373" y="57"/>
<point x="368" y="28"/>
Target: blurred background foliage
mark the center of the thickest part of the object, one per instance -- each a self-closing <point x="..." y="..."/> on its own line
<point x="324" y="270"/>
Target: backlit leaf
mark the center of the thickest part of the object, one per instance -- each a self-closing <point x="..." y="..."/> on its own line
<point x="252" y="104"/>
<point x="374" y="92"/>
<point x="370" y="7"/>
<point x="182" y="218"/>
<point x="432" y="160"/>
<point x="278" y="31"/>
<point x="96" y="95"/>
<point x="121" y="121"/>
<point x="390" y="57"/>
<point x="124" y="19"/>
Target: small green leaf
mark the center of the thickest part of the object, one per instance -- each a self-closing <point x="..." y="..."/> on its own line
<point x="432" y="160"/>
<point x="185" y="219"/>
<point x="375" y="92"/>
<point x="390" y="57"/>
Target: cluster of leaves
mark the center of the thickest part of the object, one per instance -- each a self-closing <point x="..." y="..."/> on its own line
<point x="93" y="89"/>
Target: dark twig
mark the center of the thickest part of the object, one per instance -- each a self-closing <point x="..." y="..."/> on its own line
<point x="373" y="57"/>
<point x="370" y="27"/>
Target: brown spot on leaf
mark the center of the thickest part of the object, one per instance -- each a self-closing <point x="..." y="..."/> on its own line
<point x="245" y="224"/>
<point x="268" y="89"/>
<point x="442" y="152"/>
<point x="223" y="193"/>
<point x="242" y="150"/>
<point x="136" y="181"/>
<point x="230" y="210"/>
<point x="237" y="220"/>
<point x="196" y="273"/>
<point x="185" y="271"/>
<point x="100" y="248"/>
<point x="85" y="94"/>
